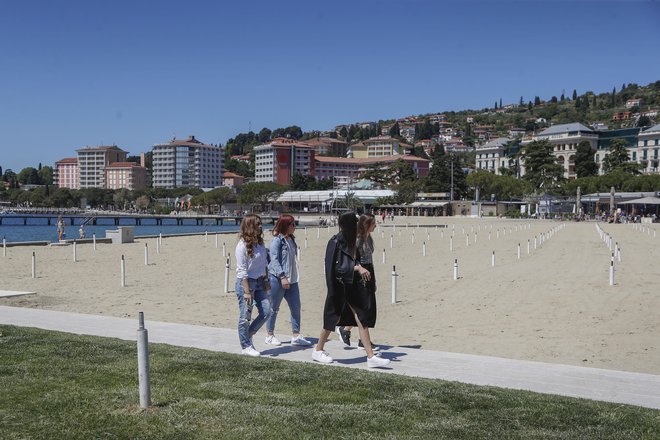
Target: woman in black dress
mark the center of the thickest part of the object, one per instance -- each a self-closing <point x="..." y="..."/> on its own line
<point x="343" y="305"/>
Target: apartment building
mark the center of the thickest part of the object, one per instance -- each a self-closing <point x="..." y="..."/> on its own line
<point x="345" y="170"/>
<point x="187" y="163"/>
<point x="127" y="175"/>
<point x="65" y="173"/>
<point x="280" y="159"/>
<point x="378" y="146"/>
<point x="648" y="149"/>
<point x="565" y="139"/>
<point x="325" y="146"/>
<point x="493" y="156"/>
<point x="92" y="162"/>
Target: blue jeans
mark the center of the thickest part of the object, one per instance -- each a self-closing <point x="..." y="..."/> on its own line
<point x="260" y="299"/>
<point x="292" y="296"/>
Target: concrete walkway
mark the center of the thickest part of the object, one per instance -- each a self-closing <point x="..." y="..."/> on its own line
<point x="566" y="380"/>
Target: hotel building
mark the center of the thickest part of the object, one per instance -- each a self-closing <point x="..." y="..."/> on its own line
<point x="280" y="159"/>
<point x="65" y="173"/>
<point x="187" y="163"/>
<point x="92" y="162"/>
<point x="127" y="175"/>
<point x="343" y="171"/>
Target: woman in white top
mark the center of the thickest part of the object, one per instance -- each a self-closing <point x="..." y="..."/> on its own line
<point x="251" y="281"/>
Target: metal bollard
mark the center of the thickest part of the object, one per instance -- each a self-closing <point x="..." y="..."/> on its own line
<point x="455" y="269"/>
<point x="528" y="246"/>
<point x="227" y="276"/>
<point x="492" y="260"/>
<point x="451" y="244"/>
<point x="383" y="256"/>
<point x="424" y="249"/>
<point x="75" y="252"/>
<point x="146" y="254"/>
<point x="612" y="271"/>
<point x="143" y="363"/>
<point x="123" y="272"/>
<point x="34" y="265"/>
<point x="394" y="276"/>
<point x="519" y="251"/>
<point x="391" y="241"/>
<point x="224" y="250"/>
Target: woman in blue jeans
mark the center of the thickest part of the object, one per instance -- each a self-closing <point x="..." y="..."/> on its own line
<point x="252" y="284"/>
<point x="284" y="276"/>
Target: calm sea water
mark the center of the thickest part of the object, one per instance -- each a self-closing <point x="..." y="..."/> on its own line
<point x="38" y="230"/>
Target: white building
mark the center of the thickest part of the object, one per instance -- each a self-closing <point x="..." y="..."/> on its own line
<point x="187" y="163"/>
<point x="281" y="159"/>
<point x="648" y="149"/>
<point x="565" y="139"/>
<point x="491" y="156"/>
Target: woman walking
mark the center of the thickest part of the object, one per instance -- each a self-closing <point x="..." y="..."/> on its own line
<point x="342" y="305"/>
<point x="284" y="275"/>
<point x="365" y="291"/>
<point x="251" y="281"/>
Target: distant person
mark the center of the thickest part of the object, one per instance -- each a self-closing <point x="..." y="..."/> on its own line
<point x="341" y="264"/>
<point x="60" y="228"/>
<point x="252" y="284"/>
<point x="81" y="232"/>
<point x="364" y="302"/>
<point x="284" y="275"/>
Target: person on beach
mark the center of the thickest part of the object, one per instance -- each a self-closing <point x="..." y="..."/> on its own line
<point x="284" y="275"/>
<point x="341" y="264"/>
<point x="60" y="228"/>
<point x="365" y="291"/>
<point x="81" y="232"/>
<point x="252" y="284"/>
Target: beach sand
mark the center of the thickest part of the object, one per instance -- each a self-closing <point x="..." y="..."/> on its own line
<point x="553" y="305"/>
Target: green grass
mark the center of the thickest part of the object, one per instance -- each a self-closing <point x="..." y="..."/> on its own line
<point x="61" y="386"/>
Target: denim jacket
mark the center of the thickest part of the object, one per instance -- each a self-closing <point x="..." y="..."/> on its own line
<point x="280" y="260"/>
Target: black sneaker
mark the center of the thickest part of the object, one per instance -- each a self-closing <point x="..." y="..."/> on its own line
<point x="374" y="347"/>
<point x="344" y="336"/>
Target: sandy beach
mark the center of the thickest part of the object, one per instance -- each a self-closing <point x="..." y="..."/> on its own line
<point x="554" y="304"/>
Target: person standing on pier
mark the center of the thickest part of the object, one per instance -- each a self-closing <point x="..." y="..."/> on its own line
<point x="60" y="228"/>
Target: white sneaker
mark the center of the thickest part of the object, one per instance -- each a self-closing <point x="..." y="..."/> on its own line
<point x="377" y="362"/>
<point x="300" y="340"/>
<point x="272" y="340"/>
<point x="250" y="351"/>
<point x="322" y="357"/>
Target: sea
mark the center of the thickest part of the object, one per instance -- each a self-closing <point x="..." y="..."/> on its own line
<point x="37" y="229"/>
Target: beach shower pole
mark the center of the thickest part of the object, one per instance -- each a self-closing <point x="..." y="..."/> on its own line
<point x="455" y="269"/>
<point x="143" y="363"/>
<point x="227" y="276"/>
<point x="75" y="253"/>
<point x="34" y="265"/>
<point x="123" y="272"/>
<point x="394" y="276"/>
<point x="146" y="254"/>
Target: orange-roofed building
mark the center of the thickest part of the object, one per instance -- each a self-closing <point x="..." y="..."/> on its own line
<point x="232" y="180"/>
<point x="65" y="174"/>
<point x="128" y="175"/>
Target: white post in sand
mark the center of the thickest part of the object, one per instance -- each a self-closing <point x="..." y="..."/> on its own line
<point x="492" y="259"/>
<point x="394" y="275"/>
<point x="488" y="235"/>
<point x="224" y="250"/>
<point x="160" y="238"/>
<point x="412" y="238"/>
<point x="475" y="238"/>
<point x="383" y="256"/>
<point x="123" y="272"/>
<point x="528" y="246"/>
<point x="4" y="247"/>
<point x="612" y="271"/>
<point x="535" y="242"/>
<point x="305" y="242"/>
<point x="519" y="251"/>
<point x="455" y="269"/>
<point x="424" y="249"/>
<point x="94" y="240"/>
<point x="34" y="265"/>
<point x="206" y="236"/>
<point x="318" y="232"/>
<point x="216" y="240"/>
<point x="157" y="246"/>
<point x="75" y="252"/>
<point x="146" y="254"/>
<point x="143" y="363"/>
<point x="391" y="240"/>
<point x="227" y="276"/>
<point x="451" y="244"/>
<point x="467" y="240"/>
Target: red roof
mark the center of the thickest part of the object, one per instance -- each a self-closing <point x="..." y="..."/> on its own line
<point x="230" y="174"/>
<point x="349" y="160"/>
<point x="68" y="160"/>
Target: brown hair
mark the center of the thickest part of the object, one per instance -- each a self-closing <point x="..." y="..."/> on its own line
<point x="282" y="225"/>
<point x="364" y="223"/>
<point x="251" y="233"/>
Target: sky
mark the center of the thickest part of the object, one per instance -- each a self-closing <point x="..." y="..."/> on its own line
<point x="137" y="73"/>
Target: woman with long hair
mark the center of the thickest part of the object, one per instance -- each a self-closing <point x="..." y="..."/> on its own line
<point x="364" y="300"/>
<point x="342" y="271"/>
<point x="284" y="275"/>
<point x="252" y="284"/>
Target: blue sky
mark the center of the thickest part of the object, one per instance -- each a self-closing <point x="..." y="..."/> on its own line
<point x="135" y="73"/>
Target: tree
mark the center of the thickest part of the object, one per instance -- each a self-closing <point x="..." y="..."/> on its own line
<point x="537" y="101"/>
<point x="394" y="131"/>
<point x="46" y="175"/>
<point x="264" y="135"/>
<point x="584" y="160"/>
<point x="440" y="175"/>
<point x="377" y="174"/>
<point x="574" y="94"/>
<point x="261" y="193"/>
<point x="401" y="171"/>
<point x="643" y="121"/>
<point x="302" y="183"/>
<point x="29" y="176"/>
<point x="541" y="169"/>
<point x="617" y="158"/>
<point x="142" y="202"/>
<point x="215" y="197"/>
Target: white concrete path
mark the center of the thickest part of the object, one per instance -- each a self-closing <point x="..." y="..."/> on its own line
<point x="566" y="380"/>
